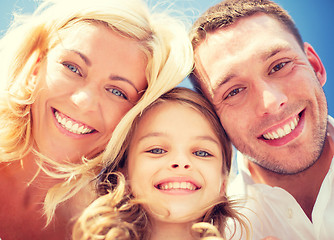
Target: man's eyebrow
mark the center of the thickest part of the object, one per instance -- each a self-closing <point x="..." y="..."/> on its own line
<point x="119" y="78"/>
<point x="264" y="57"/>
<point x="223" y="81"/>
<point x="273" y="51"/>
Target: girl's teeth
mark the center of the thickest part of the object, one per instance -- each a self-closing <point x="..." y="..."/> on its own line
<point x="177" y="185"/>
<point x="70" y="126"/>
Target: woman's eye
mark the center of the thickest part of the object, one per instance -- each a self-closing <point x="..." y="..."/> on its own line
<point x="234" y="92"/>
<point x="118" y="93"/>
<point x="157" y="151"/>
<point x="72" y="68"/>
<point x="277" y="67"/>
<point x="202" y="153"/>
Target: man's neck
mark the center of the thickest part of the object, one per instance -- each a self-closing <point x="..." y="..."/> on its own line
<point x="304" y="186"/>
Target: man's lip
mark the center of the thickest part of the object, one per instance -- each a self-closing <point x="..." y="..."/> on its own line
<point x="289" y="136"/>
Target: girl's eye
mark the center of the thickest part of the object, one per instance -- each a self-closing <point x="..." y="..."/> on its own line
<point x="234" y="92"/>
<point x="202" y="153"/>
<point x="157" y="151"/>
<point x="72" y="68"/>
<point x="277" y="67"/>
<point x="118" y="93"/>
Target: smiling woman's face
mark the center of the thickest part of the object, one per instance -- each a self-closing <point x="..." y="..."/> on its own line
<point x="175" y="162"/>
<point x="87" y="83"/>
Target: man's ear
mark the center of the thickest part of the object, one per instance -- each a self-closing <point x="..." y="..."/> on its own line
<point x="316" y="63"/>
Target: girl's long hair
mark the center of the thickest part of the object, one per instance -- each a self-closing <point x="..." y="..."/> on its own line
<point x="117" y="214"/>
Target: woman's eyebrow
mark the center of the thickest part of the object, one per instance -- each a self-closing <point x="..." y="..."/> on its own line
<point x="112" y="77"/>
<point x="119" y="78"/>
<point x="82" y="56"/>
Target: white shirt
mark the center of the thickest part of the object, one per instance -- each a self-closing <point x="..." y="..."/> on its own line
<point x="272" y="211"/>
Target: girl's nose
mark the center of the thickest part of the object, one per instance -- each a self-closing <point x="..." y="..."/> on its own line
<point x="175" y="165"/>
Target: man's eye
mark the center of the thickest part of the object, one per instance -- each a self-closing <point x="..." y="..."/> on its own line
<point x="72" y="68"/>
<point x="202" y="153"/>
<point x="157" y="151"/>
<point x="277" y="67"/>
<point x="117" y="93"/>
<point x="234" y="92"/>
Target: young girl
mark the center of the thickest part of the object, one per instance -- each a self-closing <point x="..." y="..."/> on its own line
<point x="169" y="179"/>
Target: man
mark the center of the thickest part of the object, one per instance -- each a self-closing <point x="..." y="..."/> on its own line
<point x="266" y="85"/>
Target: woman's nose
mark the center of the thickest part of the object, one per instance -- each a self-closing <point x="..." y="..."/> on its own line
<point x="85" y="99"/>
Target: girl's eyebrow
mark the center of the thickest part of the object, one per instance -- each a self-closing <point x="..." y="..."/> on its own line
<point x="161" y="134"/>
<point x="208" y="138"/>
<point x="152" y="134"/>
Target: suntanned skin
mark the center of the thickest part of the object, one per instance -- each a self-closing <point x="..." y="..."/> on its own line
<point x="260" y="80"/>
<point x="312" y="178"/>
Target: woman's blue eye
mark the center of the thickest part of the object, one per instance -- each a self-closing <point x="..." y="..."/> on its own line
<point x="72" y="68"/>
<point x="118" y="93"/>
<point x="157" y="151"/>
<point x="201" y="153"/>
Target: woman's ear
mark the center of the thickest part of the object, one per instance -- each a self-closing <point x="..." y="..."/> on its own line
<point x="316" y="63"/>
<point x="36" y="67"/>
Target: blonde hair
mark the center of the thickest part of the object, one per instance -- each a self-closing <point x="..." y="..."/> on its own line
<point x="163" y="40"/>
<point x="117" y="214"/>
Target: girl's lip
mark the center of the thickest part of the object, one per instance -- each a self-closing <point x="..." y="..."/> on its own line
<point x="178" y="179"/>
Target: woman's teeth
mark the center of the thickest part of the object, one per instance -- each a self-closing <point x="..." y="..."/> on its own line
<point x="72" y="126"/>
<point x="282" y="132"/>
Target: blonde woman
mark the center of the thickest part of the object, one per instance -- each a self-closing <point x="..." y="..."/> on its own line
<point x="169" y="179"/>
<point x="70" y="72"/>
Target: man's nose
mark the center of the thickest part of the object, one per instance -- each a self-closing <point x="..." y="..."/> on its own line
<point x="271" y="98"/>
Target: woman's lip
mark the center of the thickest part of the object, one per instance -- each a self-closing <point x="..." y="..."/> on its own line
<point x="72" y="133"/>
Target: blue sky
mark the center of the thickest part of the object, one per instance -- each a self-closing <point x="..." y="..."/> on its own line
<point x="313" y="18"/>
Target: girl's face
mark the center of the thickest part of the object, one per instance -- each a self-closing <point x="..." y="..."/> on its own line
<point x="175" y="163"/>
<point x="87" y="83"/>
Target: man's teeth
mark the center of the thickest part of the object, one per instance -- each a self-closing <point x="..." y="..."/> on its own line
<point x="281" y="132"/>
<point x="70" y="126"/>
<point x="177" y="185"/>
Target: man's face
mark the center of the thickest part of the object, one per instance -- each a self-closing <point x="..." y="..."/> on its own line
<point x="267" y="92"/>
